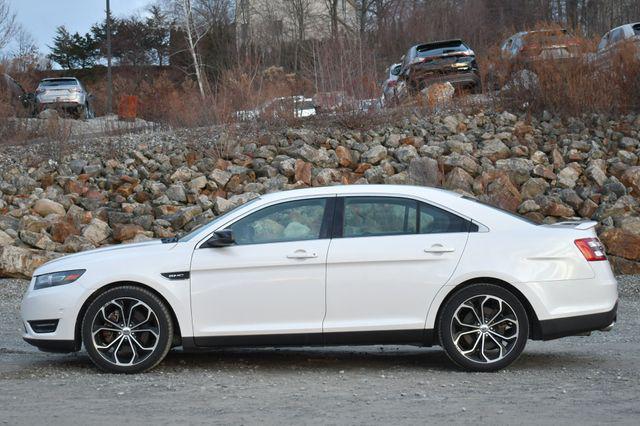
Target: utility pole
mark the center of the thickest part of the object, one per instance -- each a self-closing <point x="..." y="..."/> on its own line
<point x="109" y="81"/>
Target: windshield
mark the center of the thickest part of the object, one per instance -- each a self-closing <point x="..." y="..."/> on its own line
<point x="198" y="229"/>
<point x="59" y="82"/>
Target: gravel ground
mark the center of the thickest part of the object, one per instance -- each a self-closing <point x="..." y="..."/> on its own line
<point x="591" y="380"/>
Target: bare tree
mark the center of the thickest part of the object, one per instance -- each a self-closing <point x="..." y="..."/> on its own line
<point x="8" y="26"/>
<point x="216" y="49"/>
<point x="332" y="9"/>
<point x="25" y="56"/>
<point x="194" y="32"/>
<point x="299" y="13"/>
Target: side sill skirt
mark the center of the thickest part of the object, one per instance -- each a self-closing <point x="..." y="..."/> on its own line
<point x="388" y="337"/>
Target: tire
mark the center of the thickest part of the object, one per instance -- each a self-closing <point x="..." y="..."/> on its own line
<point x="466" y="333"/>
<point x="127" y="329"/>
<point x="88" y="112"/>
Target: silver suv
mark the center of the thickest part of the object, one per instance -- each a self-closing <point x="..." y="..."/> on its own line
<point x="623" y="40"/>
<point x="65" y="93"/>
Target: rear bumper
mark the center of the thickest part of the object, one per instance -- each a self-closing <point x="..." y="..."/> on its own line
<point x="66" y="105"/>
<point x="470" y="78"/>
<point x="570" y="326"/>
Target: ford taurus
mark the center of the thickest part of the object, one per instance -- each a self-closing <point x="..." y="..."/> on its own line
<point x="341" y="265"/>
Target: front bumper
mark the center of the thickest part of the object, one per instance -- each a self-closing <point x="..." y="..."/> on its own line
<point x="61" y="303"/>
<point x="571" y="326"/>
<point x="55" y="346"/>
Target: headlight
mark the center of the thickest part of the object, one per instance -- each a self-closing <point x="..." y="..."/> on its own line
<point x="57" y="278"/>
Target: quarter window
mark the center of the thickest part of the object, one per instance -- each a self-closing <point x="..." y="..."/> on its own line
<point x="291" y="221"/>
<point x="437" y="221"/>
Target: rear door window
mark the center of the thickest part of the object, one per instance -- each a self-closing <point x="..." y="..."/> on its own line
<point x="376" y="216"/>
<point x="380" y="216"/>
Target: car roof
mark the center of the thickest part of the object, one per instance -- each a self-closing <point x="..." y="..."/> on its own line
<point x="631" y="24"/>
<point x="362" y="189"/>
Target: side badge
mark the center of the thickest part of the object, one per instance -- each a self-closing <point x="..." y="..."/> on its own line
<point x="176" y="275"/>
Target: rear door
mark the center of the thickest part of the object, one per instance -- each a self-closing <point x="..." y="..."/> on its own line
<point x="387" y="260"/>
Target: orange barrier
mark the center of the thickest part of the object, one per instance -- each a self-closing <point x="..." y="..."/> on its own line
<point x="128" y="107"/>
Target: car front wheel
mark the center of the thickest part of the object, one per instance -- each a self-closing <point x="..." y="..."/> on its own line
<point x="127" y="329"/>
<point x="483" y="327"/>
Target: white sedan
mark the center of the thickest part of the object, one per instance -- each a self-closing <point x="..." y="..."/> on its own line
<point x="341" y="265"/>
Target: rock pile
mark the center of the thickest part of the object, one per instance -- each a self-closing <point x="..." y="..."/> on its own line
<point x="164" y="184"/>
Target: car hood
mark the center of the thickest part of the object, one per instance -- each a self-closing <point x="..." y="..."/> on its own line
<point x="124" y="252"/>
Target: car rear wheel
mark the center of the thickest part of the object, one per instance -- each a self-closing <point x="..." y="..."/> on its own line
<point x="483" y="327"/>
<point x="127" y="329"/>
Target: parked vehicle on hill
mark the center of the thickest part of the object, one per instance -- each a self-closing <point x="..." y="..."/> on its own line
<point x="293" y="106"/>
<point x="622" y="40"/>
<point x="65" y="93"/>
<point x="522" y="52"/>
<point x="390" y="85"/>
<point x="450" y="61"/>
<point x="528" y="46"/>
<point x="337" y="265"/>
<point x="329" y="102"/>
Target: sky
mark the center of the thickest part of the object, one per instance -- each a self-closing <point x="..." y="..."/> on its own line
<point x="42" y="17"/>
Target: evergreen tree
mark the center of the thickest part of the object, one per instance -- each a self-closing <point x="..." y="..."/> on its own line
<point x="73" y="50"/>
<point x="62" y="49"/>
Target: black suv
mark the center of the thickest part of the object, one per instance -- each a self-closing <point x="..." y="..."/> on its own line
<point x="441" y="61"/>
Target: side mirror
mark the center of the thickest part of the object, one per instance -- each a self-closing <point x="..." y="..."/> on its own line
<point x="222" y="238"/>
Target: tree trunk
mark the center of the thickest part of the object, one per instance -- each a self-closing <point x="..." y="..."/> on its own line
<point x="189" y="28"/>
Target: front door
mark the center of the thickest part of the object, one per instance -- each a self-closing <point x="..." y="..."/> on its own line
<point x="271" y="282"/>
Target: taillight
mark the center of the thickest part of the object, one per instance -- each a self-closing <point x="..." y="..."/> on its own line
<point x="591" y="248"/>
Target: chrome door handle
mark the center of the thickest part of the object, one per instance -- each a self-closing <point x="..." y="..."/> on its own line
<point x="301" y="254"/>
<point x="438" y="248"/>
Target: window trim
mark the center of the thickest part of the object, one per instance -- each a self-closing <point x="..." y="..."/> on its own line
<point x="338" y="222"/>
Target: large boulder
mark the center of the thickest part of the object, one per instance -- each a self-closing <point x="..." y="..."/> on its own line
<point x="19" y="262"/>
<point x="374" y="155"/>
<point x="97" y="231"/>
<point x="45" y="207"/>
<point x="631" y="178"/>
<point x="494" y="150"/>
<point x="425" y="172"/>
<point x="504" y="194"/>
<point x="621" y="243"/>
